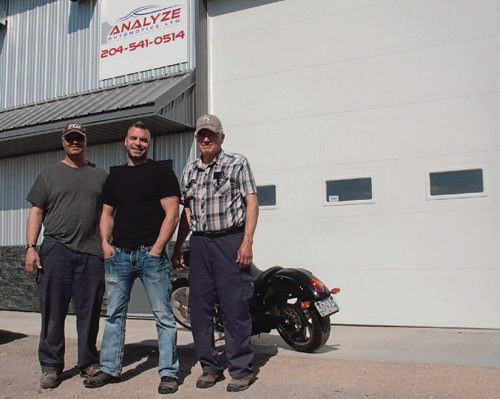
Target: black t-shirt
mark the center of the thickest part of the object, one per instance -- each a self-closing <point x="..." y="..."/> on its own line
<point x="135" y="193"/>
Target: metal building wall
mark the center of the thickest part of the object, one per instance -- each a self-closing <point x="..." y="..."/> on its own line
<point x="3" y="12"/>
<point x="58" y="55"/>
<point x="16" y="177"/>
<point x="178" y="147"/>
<point x="18" y="174"/>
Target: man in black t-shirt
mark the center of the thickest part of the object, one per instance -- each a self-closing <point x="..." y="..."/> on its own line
<point x="140" y="212"/>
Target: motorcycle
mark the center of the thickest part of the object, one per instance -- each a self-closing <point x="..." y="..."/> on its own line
<point x="292" y="301"/>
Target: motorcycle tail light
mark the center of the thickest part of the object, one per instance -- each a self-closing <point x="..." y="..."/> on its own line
<point x="335" y="291"/>
<point x="317" y="285"/>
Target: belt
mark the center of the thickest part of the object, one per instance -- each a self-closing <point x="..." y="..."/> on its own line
<point x="138" y="248"/>
<point x="220" y="233"/>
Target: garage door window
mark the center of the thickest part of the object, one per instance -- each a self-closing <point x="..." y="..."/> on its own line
<point x="456" y="183"/>
<point x="349" y="190"/>
<point x="266" y="195"/>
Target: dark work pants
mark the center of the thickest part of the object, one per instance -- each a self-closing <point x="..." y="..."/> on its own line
<point x="213" y="274"/>
<point x="67" y="274"/>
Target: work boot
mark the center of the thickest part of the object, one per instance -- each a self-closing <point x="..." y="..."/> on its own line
<point x="240" y="384"/>
<point x="168" y="385"/>
<point x="50" y="379"/>
<point x="89" y="371"/>
<point x="208" y="380"/>
<point x="100" y="379"/>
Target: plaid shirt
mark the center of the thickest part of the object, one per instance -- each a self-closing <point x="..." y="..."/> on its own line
<point x="216" y="194"/>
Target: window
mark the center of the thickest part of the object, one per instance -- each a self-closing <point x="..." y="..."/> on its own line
<point x="266" y="195"/>
<point x="349" y="190"/>
<point x="456" y="183"/>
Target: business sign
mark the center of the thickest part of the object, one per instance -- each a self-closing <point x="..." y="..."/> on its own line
<point x="141" y="35"/>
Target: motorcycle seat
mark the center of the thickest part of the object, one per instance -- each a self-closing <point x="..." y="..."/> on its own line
<point x="261" y="278"/>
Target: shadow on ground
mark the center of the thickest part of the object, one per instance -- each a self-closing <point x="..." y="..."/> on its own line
<point x="9" y="336"/>
<point x="144" y="355"/>
<point x="266" y="341"/>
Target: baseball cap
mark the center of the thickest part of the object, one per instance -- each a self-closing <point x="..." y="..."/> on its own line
<point x="209" y="122"/>
<point x="74" y="128"/>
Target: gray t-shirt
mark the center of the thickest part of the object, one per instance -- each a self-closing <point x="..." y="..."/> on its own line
<point x="72" y="201"/>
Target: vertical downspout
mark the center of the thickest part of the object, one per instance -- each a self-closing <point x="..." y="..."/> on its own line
<point x="201" y="106"/>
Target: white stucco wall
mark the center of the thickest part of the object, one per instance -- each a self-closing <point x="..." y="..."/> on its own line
<point x="312" y="90"/>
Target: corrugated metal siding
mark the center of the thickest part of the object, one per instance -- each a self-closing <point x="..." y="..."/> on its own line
<point x="16" y="177"/>
<point x="18" y="174"/>
<point x="3" y="12"/>
<point x="182" y="108"/>
<point x="178" y="147"/>
<point x="107" y="155"/>
<point x="57" y="56"/>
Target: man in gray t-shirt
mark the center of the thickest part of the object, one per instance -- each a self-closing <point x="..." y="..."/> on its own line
<point x="67" y="199"/>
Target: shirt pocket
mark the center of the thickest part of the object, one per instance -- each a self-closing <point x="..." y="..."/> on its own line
<point x="222" y="187"/>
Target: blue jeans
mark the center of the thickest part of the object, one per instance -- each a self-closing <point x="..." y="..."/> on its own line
<point x="154" y="272"/>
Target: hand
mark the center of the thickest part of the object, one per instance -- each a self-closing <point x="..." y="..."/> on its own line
<point x="154" y="253"/>
<point x="245" y="255"/>
<point x="157" y="252"/>
<point x="177" y="260"/>
<point x="108" y="250"/>
<point x="32" y="259"/>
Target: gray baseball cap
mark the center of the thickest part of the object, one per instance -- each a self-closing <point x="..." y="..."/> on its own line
<point x="209" y="122"/>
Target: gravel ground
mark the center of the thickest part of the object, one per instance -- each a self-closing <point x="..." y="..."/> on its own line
<point x="279" y="376"/>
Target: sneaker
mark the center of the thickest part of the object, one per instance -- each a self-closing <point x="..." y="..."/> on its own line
<point x="50" y="379"/>
<point x="208" y="380"/>
<point x="89" y="371"/>
<point x="168" y="385"/>
<point x="240" y="384"/>
<point x="100" y="379"/>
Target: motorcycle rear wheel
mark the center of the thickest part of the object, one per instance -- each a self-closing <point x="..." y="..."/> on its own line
<point x="303" y="330"/>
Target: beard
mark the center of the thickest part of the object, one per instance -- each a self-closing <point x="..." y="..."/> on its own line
<point x="137" y="158"/>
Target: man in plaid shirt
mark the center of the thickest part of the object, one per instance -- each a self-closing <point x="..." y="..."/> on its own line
<point x="221" y="209"/>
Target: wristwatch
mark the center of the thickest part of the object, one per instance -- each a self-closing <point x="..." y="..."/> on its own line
<point x="28" y="246"/>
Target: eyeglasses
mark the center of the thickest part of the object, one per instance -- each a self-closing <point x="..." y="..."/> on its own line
<point x="206" y="133"/>
<point x="69" y="138"/>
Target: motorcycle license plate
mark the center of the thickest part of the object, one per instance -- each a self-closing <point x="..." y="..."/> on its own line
<point x="327" y="306"/>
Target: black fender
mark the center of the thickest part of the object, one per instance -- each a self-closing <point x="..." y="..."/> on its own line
<point x="294" y="283"/>
<point x="180" y="282"/>
<point x="179" y="277"/>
